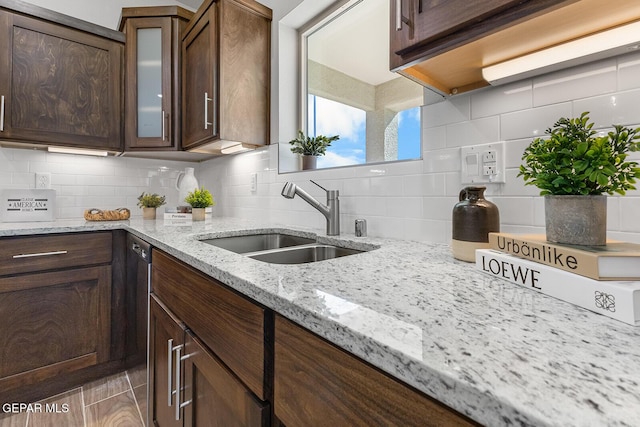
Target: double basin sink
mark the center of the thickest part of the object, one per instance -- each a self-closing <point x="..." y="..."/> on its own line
<point x="280" y="248"/>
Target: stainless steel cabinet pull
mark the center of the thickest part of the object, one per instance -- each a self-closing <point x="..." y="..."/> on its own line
<point x="169" y="371"/>
<point x="163" y="126"/>
<point x="179" y="360"/>
<point x="2" y="113"/>
<point x="39" y="254"/>
<point x="206" y="111"/>
<point x="399" y="17"/>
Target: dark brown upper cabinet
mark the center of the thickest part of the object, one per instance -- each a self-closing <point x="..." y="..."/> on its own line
<point x="422" y="27"/>
<point x="226" y="77"/>
<point x="445" y="44"/>
<point x="152" y="78"/>
<point x="60" y="80"/>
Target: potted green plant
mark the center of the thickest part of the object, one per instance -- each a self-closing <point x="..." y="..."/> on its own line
<point x="199" y="199"/>
<point x="575" y="168"/>
<point x="311" y="147"/>
<point x="149" y="202"/>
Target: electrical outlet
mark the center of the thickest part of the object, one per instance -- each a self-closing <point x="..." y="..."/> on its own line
<point x="43" y="180"/>
<point x="483" y="163"/>
<point x="489" y="170"/>
<point x="489" y="156"/>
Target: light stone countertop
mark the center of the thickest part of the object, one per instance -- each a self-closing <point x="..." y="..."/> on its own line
<point x="501" y="354"/>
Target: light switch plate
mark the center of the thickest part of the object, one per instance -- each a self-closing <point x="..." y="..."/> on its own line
<point x="254" y="182"/>
<point x="482" y="164"/>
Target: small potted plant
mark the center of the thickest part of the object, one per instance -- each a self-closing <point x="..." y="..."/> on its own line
<point x="199" y="199"/>
<point x="311" y="147"/>
<point x="149" y="202"/>
<point x="575" y="169"/>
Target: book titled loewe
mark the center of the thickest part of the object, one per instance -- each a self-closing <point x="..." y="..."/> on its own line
<point x="613" y="261"/>
<point x="616" y="299"/>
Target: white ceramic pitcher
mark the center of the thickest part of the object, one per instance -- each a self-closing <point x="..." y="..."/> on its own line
<point x="185" y="183"/>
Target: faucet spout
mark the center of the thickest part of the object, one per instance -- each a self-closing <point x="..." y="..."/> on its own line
<point x="331" y="211"/>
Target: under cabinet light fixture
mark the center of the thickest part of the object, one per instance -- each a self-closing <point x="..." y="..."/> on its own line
<point x="237" y="148"/>
<point x="597" y="46"/>
<point x="86" y="152"/>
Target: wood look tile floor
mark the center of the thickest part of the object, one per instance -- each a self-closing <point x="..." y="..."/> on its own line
<point x="118" y="400"/>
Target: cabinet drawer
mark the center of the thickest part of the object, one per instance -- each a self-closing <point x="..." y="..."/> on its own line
<point x="315" y="380"/>
<point x="228" y="324"/>
<point x="52" y="252"/>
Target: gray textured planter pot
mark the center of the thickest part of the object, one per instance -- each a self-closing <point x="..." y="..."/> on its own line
<point x="309" y="162"/>
<point x="576" y="220"/>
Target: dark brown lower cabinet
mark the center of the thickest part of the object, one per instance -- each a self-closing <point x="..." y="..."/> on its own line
<point x="319" y="384"/>
<point x="63" y="312"/>
<point x="52" y="324"/>
<point x="190" y="386"/>
<point x="165" y="334"/>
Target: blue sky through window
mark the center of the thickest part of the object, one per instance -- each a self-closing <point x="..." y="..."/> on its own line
<point x="329" y="118"/>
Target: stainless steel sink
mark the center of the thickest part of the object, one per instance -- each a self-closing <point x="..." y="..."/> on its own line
<point x="303" y="254"/>
<point x="258" y="242"/>
<point x="280" y="248"/>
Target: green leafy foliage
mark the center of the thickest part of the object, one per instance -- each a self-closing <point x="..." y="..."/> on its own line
<point x="574" y="160"/>
<point x="146" y="200"/>
<point x="199" y="198"/>
<point x="312" y="146"/>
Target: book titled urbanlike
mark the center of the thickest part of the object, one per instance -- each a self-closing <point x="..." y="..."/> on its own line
<point x="619" y="300"/>
<point x="613" y="261"/>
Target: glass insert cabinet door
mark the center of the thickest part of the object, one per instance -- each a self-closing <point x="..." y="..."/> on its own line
<point x="149" y="95"/>
<point x="151" y="121"/>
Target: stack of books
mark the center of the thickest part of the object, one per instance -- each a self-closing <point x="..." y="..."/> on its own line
<point x="603" y="279"/>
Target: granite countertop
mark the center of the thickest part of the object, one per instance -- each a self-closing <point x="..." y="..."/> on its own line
<point x="499" y="353"/>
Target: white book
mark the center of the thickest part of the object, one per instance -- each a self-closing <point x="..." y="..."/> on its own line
<point x="177" y="215"/>
<point x="619" y="300"/>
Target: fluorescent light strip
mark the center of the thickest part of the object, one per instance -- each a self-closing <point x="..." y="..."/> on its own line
<point x="66" y="150"/>
<point x="237" y="148"/>
<point x="597" y="46"/>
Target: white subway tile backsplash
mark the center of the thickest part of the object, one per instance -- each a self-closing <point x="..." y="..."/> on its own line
<point x="629" y="71"/>
<point x="584" y="81"/>
<point x="538" y="212"/>
<point x="423" y="185"/>
<point x="442" y="161"/>
<point x="532" y="123"/>
<point x="622" y="108"/>
<point x="514" y="185"/>
<point x="386" y="186"/>
<point x="411" y="199"/>
<point x="479" y="131"/>
<point x="404" y="207"/>
<point x="493" y="101"/>
<point x="613" y="212"/>
<point x="514" y="150"/>
<point x="433" y="138"/>
<point x="23" y="180"/>
<point x="452" y="110"/>
<point x="439" y="208"/>
<point x="629" y="214"/>
<point x="515" y="210"/>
